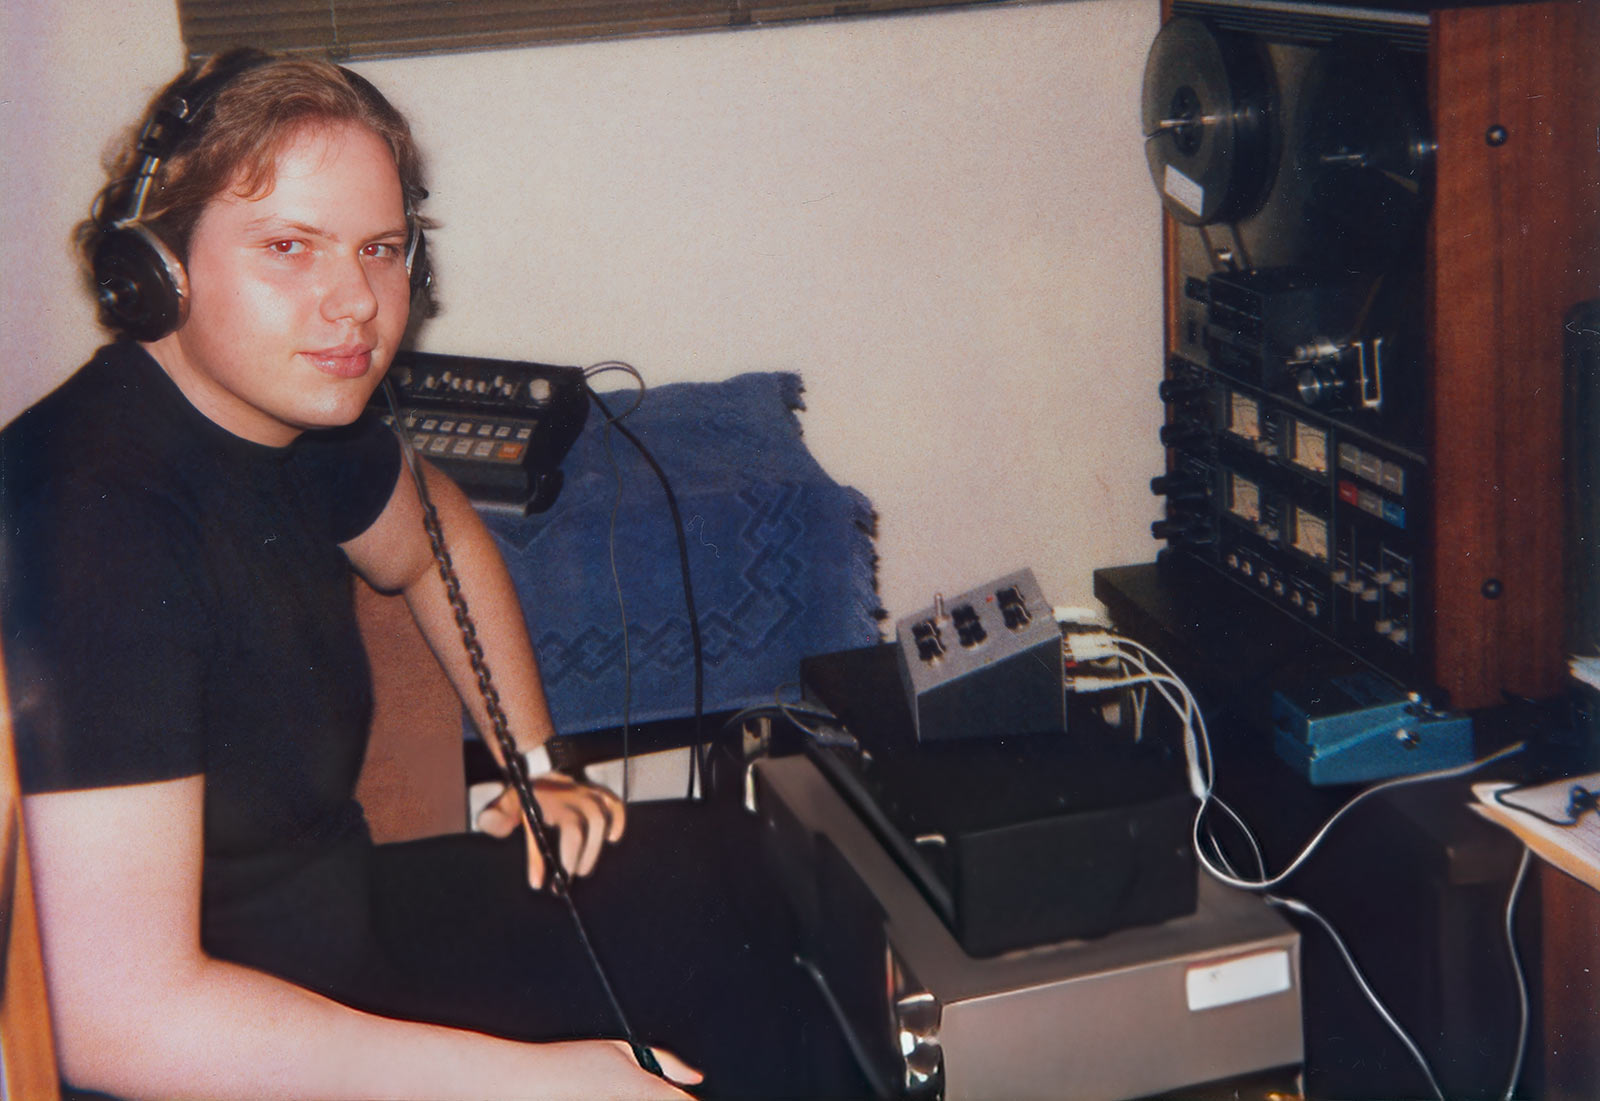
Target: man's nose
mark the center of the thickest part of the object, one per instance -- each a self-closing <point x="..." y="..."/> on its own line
<point x="349" y="293"/>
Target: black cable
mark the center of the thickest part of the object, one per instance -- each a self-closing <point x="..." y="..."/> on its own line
<point x="616" y="578"/>
<point x="695" y="641"/>
<point x="512" y="761"/>
<point x="1580" y="800"/>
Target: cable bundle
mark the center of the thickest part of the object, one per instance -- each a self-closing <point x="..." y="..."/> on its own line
<point x="1098" y="660"/>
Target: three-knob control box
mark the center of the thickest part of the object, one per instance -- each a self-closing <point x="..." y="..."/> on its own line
<point x="986" y="663"/>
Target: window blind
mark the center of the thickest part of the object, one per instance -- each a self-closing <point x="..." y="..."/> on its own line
<point x="354" y="29"/>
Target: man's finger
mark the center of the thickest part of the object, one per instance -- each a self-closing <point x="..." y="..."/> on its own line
<point x="569" y="845"/>
<point x="502" y="815"/>
<point x="596" y="825"/>
<point x="675" y="1069"/>
<point x="535" y="862"/>
<point x="616" y="813"/>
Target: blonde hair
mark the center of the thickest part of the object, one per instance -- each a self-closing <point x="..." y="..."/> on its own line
<point x="234" y="139"/>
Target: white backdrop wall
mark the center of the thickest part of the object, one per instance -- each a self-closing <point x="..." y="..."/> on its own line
<point x="942" y="221"/>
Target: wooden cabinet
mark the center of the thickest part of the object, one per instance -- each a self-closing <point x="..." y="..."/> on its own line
<point x="1511" y="243"/>
<point x="27" y="1053"/>
<point x="1514" y="245"/>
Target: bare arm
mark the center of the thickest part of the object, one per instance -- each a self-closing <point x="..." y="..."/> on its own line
<point x="140" y="1010"/>
<point x="394" y="554"/>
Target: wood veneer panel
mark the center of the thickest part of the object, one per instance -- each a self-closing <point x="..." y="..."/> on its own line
<point x="1570" y="913"/>
<point x="1511" y="249"/>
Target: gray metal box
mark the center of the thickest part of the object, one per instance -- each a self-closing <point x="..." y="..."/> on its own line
<point x="986" y="663"/>
<point x="1209" y="996"/>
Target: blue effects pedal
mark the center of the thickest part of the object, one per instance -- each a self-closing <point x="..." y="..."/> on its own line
<point x="1360" y="727"/>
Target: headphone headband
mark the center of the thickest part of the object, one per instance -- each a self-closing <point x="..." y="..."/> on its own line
<point x="141" y="285"/>
<point x="174" y="119"/>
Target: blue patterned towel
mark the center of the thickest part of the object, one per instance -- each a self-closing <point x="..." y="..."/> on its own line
<point x="781" y="557"/>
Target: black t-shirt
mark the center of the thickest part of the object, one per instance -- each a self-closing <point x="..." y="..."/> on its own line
<point x="175" y="602"/>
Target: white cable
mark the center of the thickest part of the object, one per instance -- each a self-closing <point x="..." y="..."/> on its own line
<point x="1516" y="971"/>
<point x="1082" y="646"/>
<point x="1293" y="866"/>
<point x="1140" y="658"/>
<point x="1255" y="848"/>
<point x="1298" y="907"/>
<point x="1196" y="746"/>
<point x="1194" y="737"/>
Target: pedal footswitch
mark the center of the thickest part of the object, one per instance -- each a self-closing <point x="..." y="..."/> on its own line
<point x="1360" y="727"/>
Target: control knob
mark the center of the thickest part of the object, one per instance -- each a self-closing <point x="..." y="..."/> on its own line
<point x="1178" y="488"/>
<point x="1183" y="434"/>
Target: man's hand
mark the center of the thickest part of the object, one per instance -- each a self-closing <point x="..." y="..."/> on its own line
<point x="582" y="817"/>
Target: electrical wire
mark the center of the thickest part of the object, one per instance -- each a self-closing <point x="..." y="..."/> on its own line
<point x="696" y="643"/>
<point x="1269" y="882"/>
<point x="616" y="577"/>
<point x="1296" y="906"/>
<point x="1197" y="748"/>
<point x="1300" y="906"/>
<point x="1134" y="671"/>
<point x="794" y="713"/>
<point x="1517" y="973"/>
<point x="1580" y="801"/>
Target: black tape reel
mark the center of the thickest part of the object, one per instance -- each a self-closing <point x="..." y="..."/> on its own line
<point x="1364" y="154"/>
<point x="1208" y="112"/>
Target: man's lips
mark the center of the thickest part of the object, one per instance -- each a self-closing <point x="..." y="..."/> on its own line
<point x="344" y="361"/>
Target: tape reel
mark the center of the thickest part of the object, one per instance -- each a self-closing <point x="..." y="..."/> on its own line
<point x="1361" y="143"/>
<point x="1208" y="111"/>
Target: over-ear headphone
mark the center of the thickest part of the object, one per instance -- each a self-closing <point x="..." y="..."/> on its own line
<point x="141" y="284"/>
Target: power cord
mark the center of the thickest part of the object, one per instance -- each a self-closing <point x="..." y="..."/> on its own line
<point x="797" y="715"/>
<point x="611" y="550"/>
<point x="697" y="647"/>
<point x="1296" y="906"/>
<point x="1517" y="974"/>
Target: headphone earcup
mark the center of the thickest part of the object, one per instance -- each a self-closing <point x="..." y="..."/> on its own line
<point x="417" y="264"/>
<point x="141" y="285"/>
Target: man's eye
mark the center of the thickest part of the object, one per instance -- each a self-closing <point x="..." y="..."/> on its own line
<point x="382" y="251"/>
<point x="287" y="248"/>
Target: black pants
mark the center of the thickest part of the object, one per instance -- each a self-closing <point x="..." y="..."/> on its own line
<point x="692" y="935"/>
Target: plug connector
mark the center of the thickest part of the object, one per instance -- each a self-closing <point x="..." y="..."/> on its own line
<point x="1076" y="614"/>
<point x="1084" y="684"/>
<point x="1082" y="646"/>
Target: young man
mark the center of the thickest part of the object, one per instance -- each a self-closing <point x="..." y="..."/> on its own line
<point x="191" y="696"/>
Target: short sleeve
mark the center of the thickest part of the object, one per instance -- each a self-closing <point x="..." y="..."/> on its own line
<point x="103" y="644"/>
<point x="347" y="475"/>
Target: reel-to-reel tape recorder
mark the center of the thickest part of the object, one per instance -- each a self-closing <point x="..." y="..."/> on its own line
<point x="1348" y="190"/>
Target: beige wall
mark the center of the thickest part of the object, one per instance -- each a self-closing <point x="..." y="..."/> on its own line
<point x="943" y="221"/>
<point x="74" y="76"/>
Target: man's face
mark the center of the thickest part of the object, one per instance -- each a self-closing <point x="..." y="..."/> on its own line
<point x="298" y="297"/>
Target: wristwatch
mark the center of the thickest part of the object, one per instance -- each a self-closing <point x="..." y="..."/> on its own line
<point x="538" y="761"/>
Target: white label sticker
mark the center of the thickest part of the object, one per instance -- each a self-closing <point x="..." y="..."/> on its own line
<point x="1237" y="980"/>
<point x="1183" y="191"/>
